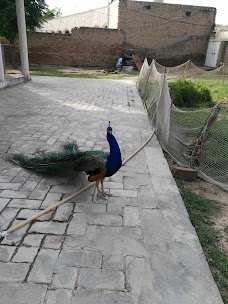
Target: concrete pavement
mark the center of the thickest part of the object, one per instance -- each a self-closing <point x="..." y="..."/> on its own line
<point x="136" y="247"/>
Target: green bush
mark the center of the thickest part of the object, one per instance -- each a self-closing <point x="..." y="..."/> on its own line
<point x="187" y="94"/>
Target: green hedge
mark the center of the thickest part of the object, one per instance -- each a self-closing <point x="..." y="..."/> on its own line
<point x="187" y="94"/>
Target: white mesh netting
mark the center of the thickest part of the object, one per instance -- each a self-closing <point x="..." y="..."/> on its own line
<point x="189" y="69"/>
<point x="197" y="139"/>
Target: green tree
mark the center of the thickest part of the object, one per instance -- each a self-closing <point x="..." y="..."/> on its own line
<point x="36" y="13"/>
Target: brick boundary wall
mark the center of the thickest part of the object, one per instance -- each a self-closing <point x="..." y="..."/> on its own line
<point x="154" y="30"/>
<point x="169" y="32"/>
<point x="83" y="47"/>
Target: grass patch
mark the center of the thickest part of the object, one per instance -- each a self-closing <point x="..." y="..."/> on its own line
<point x="46" y="71"/>
<point x="217" y="86"/>
<point x="218" y="89"/>
<point x="200" y="212"/>
<point x="190" y="94"/>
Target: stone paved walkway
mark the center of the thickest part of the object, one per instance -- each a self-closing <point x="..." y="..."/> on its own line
<point x="138" y="247"/>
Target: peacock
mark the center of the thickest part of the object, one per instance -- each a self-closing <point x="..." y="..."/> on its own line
<point x="96" y="164"/>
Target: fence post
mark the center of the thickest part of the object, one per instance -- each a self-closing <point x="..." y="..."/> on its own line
<point x="2" y="74"/>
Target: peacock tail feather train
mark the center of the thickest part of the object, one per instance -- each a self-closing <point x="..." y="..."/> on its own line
<point x="97" y="164"/>
<point x="55" y="162"/>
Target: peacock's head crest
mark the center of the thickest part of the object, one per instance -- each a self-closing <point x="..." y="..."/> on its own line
<point x="109" y="129"/>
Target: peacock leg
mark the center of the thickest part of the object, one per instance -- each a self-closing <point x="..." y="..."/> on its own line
<point x="100" y="189"/>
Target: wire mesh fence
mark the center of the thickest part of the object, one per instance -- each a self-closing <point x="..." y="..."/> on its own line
<point x="197" y="139"/>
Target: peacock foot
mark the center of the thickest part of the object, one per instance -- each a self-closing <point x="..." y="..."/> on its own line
<point x="103" y="195"/>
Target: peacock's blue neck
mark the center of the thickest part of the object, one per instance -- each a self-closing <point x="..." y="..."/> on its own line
<point x="114" y="161"/>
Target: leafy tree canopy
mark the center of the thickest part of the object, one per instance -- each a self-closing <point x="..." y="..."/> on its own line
<point x="36" y="13"/>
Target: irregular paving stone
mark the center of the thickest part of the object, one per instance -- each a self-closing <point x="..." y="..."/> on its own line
<point x="131" y="232"/>
<point x="5" y="179"/>
<point x="88" y="296"/>
<point x="135" y="180"/>
<point x="131" y="216"/>
<point x="3" y="203"/>
<point x="101" y="279"/>
<point x="53" y="241"/>
<point x="113" y="262"/>
<point x="7" y="217"/>
<point x="147" y="197"/>
<point x="123" y="193"/>
<point x="14" y="194"/>
<point x="6" y="253"/>
<point x="170" y="246"/>
<point x="130" y="183"/>
<point x="43" y="268"/>
<point x="138" y="279"/>
<point x="9" y="186"/>
<point x="84" y="197"/>
<point x="138" y="169"/>
<point x="65" y="279"/>
<point x="113" y="185"/>
<point x="15" y="237"/>
<point x="26" y="293"/>
<point x="13" y="272"/>
<point x="118" y="177"/>
<point x="116" y="204"/>
<point x="29" y="185"/>
<point x="87" y="208"/>
<point x="63" y="212"/>
<point x="59" y="296"/>
<point x="107" y="244"/>
<point x="165" y="187"/>
<point x="28" y="213"/>
<point x="78" y="224"/>
<point x="48" y="227"/>
<point x="25" y="255"/>
<point x="33" y="240"/>
<point x="64" y="189"/>
<point x="13" y="171"/>
<point x="79" y="258"/>
<point x="157" y="163"/>
<point x="39" y="192"/>
<point x="25" y="203"/>
<point x="51" y="199"/>
<point x="104" y="219"/>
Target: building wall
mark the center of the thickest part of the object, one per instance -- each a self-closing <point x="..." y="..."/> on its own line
<point x="223" y="55"/>
<point x="104" y="17"/>
<point x="113" y="13"/>
<point x="83" y="47"/>
<point x="169" y="32"/>
<point x="92" y="18"/>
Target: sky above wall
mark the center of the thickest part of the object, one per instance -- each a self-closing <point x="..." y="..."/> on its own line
<point x="69" y="7"/>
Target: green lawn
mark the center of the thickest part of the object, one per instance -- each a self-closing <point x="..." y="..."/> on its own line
<point x="97" y="74"/>
<point x="217" y="87"/>
<point x="200" y="212"/>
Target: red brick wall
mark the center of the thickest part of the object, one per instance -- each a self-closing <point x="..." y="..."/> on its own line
<point x="165" y="32"/>
<point x="154" y="30"/>
<point x="84" y="47"/>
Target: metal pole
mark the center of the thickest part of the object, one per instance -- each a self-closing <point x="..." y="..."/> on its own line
<point x="2" y="74"/>
<point x="22" y="37"/>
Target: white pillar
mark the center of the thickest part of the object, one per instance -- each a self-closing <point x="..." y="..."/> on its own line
<point x="22" y="37"/>
<point x="2" y="74"/>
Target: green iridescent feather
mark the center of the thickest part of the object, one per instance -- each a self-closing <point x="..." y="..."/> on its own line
<point x="70" y="158"/>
